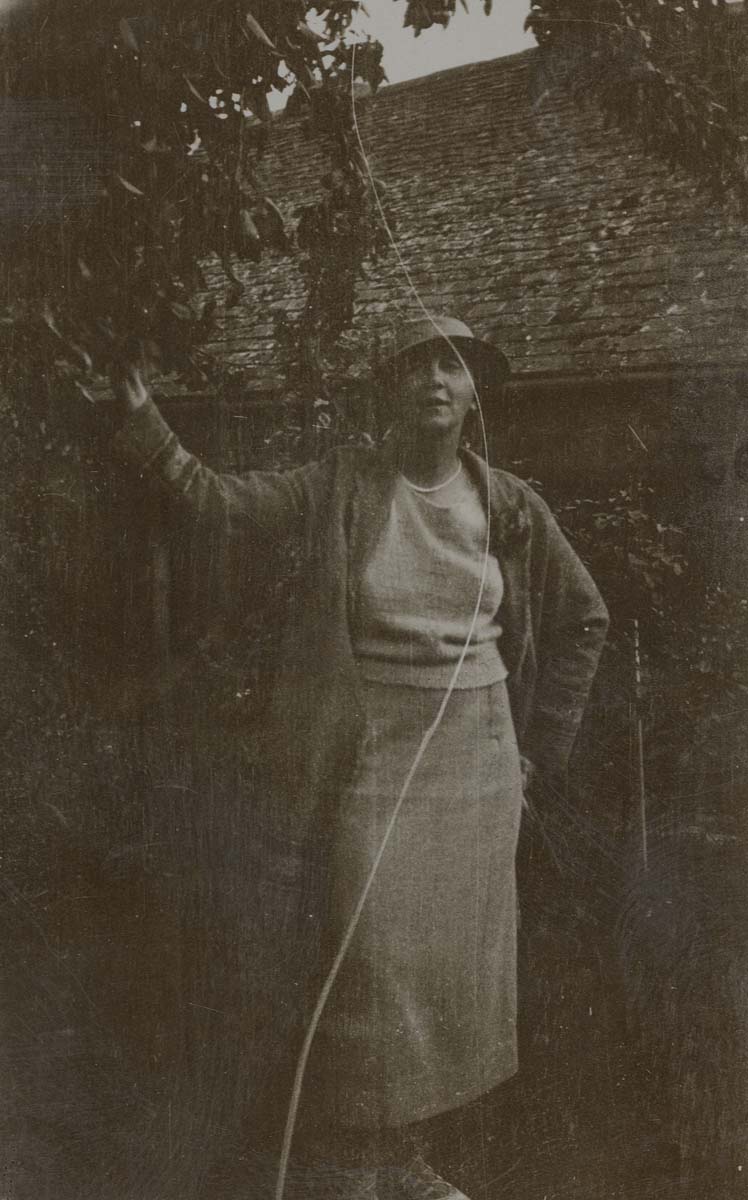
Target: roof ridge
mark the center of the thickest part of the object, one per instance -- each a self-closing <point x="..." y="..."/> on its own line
<point x="419" y="81"/>
<point x="445" y="72"/>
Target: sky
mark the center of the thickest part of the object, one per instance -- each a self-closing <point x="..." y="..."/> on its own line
<point x="470" y="37"/>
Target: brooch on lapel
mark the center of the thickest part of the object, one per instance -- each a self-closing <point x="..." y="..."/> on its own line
<point x="511" y="526"/>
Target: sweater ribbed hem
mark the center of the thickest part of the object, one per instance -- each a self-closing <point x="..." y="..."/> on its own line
<point x="486" y="668"/>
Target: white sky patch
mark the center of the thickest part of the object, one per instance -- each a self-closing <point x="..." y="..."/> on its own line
<point x="469" y="37"/>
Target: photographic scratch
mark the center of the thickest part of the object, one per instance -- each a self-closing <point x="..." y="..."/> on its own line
<point x="636" y="435"/>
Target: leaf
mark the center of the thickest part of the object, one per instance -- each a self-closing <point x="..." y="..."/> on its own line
<point x="249" y="229"/>
<point x="128" y="36"/>
<point x="258" y="31"/>
<point x="50" y="322"/>
<point x="272" y="224"/>
<point x="234" y="294"/>
<point x="84" y="392"/>
<point x="273" y="208"/>
<point x="236" y="287"/>
<point x="247" y="239"/>
<point x="193" y="89"/>
<point x="182" y="312"/>
<point x="308" y="34"/>
<point x="135" y="191"/>
<point x="83" y="356"/>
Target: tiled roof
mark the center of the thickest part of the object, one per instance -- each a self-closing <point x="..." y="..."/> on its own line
<point x="523" y="213"/>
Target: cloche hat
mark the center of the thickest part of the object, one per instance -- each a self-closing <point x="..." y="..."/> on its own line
<point x="480" y="354"/>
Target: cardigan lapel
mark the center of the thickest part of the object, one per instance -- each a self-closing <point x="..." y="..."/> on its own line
<point x="371" y="496"/>
<point x="509" y="542"/>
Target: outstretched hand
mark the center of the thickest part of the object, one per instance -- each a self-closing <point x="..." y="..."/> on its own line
<point x="129" y="386"/>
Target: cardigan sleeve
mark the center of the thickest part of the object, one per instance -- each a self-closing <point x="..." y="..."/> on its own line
<point x="571" y="624"/>
<point x="271" y="505"/>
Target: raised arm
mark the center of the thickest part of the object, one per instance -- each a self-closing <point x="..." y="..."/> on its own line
<point x="273" y="504"/>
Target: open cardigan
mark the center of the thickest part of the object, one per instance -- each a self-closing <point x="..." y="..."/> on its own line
<point x="552" y="616"/>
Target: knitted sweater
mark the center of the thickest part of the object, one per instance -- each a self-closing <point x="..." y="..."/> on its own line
<point x="419" y="593"/>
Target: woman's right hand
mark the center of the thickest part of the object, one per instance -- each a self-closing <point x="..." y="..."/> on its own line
<point x="129" y="387"/>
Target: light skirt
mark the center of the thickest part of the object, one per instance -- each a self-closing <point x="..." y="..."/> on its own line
<point x="422" y="1017"/>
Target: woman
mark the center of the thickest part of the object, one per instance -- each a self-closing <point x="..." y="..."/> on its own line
<point x="425" y="574"/>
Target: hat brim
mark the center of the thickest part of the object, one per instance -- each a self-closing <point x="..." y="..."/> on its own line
<point x="483" y="358"/>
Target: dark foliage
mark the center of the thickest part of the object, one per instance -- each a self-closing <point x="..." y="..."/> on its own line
<point x="672" y="72"/>
<point x="171" y="101"/>
<point x="422" y="14"/>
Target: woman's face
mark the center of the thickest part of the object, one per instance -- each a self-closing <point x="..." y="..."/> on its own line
<point x="435" y="390"/>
